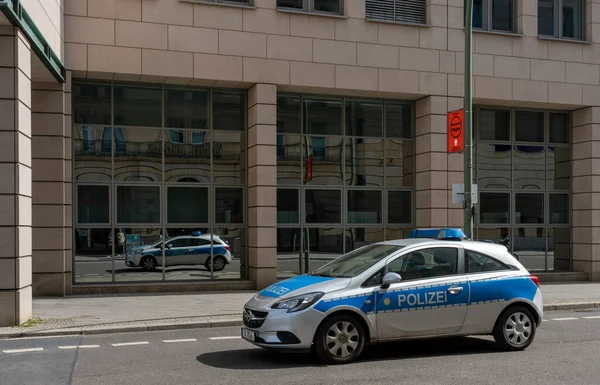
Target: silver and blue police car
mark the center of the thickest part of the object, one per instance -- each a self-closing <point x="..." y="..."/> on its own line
<point x="387" y="291"/>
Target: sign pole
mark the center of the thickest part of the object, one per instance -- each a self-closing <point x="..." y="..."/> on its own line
<point x="468" y="132"/>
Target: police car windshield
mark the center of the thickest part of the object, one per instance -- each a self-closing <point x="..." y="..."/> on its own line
<point x="356" y="262"/>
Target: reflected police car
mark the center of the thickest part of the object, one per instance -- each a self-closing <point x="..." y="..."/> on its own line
<point x="182" y="250"/>
<point x="411" y="288"/>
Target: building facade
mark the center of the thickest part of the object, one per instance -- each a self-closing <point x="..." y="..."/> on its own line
<point x="293" y="130"/>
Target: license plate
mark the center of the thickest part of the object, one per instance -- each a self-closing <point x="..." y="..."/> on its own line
<point x="248" y="334"/>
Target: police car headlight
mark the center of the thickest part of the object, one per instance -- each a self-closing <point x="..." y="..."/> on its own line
<point x="298" y="303"/>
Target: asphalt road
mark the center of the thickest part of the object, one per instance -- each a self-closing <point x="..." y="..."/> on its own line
<point x="566" y="351"/>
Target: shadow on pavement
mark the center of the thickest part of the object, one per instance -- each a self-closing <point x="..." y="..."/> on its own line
<point x="258" y="359"/>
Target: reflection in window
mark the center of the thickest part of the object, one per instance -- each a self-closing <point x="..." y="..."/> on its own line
<point x="398" y="120"/>
<point x="288" y="114"/>
<point x="546" y="17"/>
<point x="138" y="204"/>
<point x="364" y="206"/>
<point x="530" y="247"/>
<point x="92" y="204"/>
<point x="88" y="136"/>
<point x="364" y="118"/>
<point x="288" y="206"/>
<point x="140" y="158"/>
<point x="572" y="19"/>
<point x="187" y="205"/>
<point x="288" y="159"/>
<point x="361" y="236"/>
<point x="364" y="162"/>
<point x="176" y="137"/>
<point x="91" y="103"/>
<point x="494" y="166"/>
<point x="529" y="168"/>
<point x="323" y="157"/>
<point x="494" y="207"/>
<point x="529" y="208"/>
<point x="503" y="15"/>
<point x="137" y="106"/>
<point x="559" y="128"/>
<point x="228" y="111"/>
<point x="529" y="126"/>
<point x="107" y="141"/>
<point x="186" y="109"/>
<point x="324" y="242"/>
<point x="494" y="124"/>
<point x="559" y="209"/>
<point x="95" y="245"/>
<point x="323" y="206"/>
<point x="558" y="168"/>
<point x="559" y="248"/>
<point x="229" y="157"/>
<point x="399" y="163"/>
<point x="399" y="207"/>
<point x="229" y="206"/>
<point x="323" y="116"/>
<point x="318" y="147"/>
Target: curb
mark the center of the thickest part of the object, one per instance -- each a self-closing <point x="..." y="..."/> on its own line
<point x="215" y="322"/>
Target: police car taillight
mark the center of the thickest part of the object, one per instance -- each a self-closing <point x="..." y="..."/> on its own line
<point x="228" y="247"/>
<point x="535" y="280"/>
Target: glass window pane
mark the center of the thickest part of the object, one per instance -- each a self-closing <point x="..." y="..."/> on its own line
<point x="138" y="154"/>
<point x="91" y="104"/>
<point x="288" y="252"/>
<point x="323" y="116"/>
<point x="364" y="206"/>
<point x="92" y="148"/>
<point x="186" y="109"/>
<point x="494" y="124"/>
<point x="187" y="204"/>
<point x="530" y="247"/>
<point x="503" y="15"/>
<point x="138" y="106"/>
<point x="295" y="4"/>
<point x="145" y="266"/>
<point x="235" y="238"/>
<point x="93" y="256"/>
<point x="323" y="245"/>
<point x="529" y="208"/>
<point x="364" y="118"/>
<point x="529" y="167"/>
<point x="323" y="160"/>
<point x="559" y="168"/>
<point x="480" y="263"/>
<point x="364" y="166"/>
<point x="559" y="209"/>
<point x="500" y="235"/>
<point x="572" y="18"/>
<point x="529" y="126"/>
<point x="358" y="237"/>
<point x="228" y="111"/>
<point x="399" y="207"/>
<point x="399" y="163"/>
<point x="288" y="202"/>
<point x="187" y="156"/>
<point x="229" y="157"/>
<point x="477" y="13"/>
<point x="332" y="6"/>
<point x="93" y="204"/>
<point x="494" y="207"/>
<point x="289" y="165"/>
<point x="559" y="128"/>
<point x="229" y="205"/>
<point x="398" y="120"/>
<point x="546" y="17"/>
<point x="323" y="206"/>
<point x="288" y="114"/>
<point x="397" y="232"/>
<point x="138" y="204"/>
<point x="559" y="248"/>
<point x="494" y="164"/>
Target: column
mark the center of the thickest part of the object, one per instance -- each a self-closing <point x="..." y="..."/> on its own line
<point x="52" y="188"/>
<point x="262" y="184"/>
<point x="15" y="178"/>
<point x="586" y="191"/>
<point x="436" y="169"/>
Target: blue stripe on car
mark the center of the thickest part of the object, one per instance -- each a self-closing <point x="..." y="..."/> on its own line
<point x="292" y="284"/>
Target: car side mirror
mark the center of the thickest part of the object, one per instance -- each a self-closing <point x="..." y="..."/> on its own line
<point x="389" y="279"/>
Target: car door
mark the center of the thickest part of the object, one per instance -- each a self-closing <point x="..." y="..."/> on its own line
<point x="430" y="300"/>
<point x="178" y="252"/>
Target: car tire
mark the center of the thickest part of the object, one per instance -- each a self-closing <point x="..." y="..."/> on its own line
<point x="148" y="263"/>
<point x="219" y="263"/>
<point x="339" y="340"/>
<point x="515" y="329"/>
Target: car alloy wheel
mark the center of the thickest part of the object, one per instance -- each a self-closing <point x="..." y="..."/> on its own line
<point x="148" y="263"/>
<point x="340" y="340"/>
<point x="515" y="329"/>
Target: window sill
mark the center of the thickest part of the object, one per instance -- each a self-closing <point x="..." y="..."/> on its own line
<point x="303" y="12"/>
<point x="552" y="38"/>
<point x="398" y="22"/>
<point x="233" y="5"/>
<point x="501" y="33"/>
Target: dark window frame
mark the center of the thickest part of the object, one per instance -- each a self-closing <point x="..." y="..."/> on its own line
<point x="308" y="6"/>
<point x="487" y="22"/>
<point x="558" y="21"/>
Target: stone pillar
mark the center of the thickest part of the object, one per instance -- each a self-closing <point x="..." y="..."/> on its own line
<point x="586" y="191"/>
<point x="262" y="184"/>
<point x="15" y="178"/>
<point x="52" y="188"/>
<point x="436" y="169"/>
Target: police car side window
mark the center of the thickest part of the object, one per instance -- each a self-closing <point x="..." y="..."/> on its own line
<point x="427" y="263"/>
<point x="479" y="263"/>
<point x="182" y="242"/>
<point x="202" y="242"/>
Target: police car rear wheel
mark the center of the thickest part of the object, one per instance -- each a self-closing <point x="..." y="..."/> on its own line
<point x="340" y="340"/>
<point x="218" y="263"/>
<point x="515" y="329"/>
<point x="148" y="263"/>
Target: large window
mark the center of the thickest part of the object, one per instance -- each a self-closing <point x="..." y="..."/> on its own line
<point x="564" y="19"/>
<point x="400" y="11"/>
<point x="153" y="163"/>
<point x="494" y="15"/>
<point x="345" y="176"/>
<point x="523" y="173"/>
<point x="316" y="6"/>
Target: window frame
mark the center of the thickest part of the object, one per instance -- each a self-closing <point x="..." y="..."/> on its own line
<point x="77" y="223"/>
<point x="228" y="3"/>
<point x="558" y="22"/>
<point x="308" y="6"/>
<point x="487" y="22"/>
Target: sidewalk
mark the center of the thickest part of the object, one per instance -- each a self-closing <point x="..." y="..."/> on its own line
<point x="124" y="313"/>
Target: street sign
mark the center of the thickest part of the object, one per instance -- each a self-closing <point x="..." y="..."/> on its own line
<point x="458" y="193"/>
<point x="456" y="131"/>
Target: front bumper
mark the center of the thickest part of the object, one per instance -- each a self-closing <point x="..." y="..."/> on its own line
<point x="278" y="329"/>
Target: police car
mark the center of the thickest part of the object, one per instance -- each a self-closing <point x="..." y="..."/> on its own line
<point x="410" y="288"/>
<point x="192" y="249"/>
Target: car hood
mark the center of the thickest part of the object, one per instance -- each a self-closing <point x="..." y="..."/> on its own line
<point x="298" y="285"/>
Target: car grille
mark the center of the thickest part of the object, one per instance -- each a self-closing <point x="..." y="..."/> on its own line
<point x="254" y="319"/>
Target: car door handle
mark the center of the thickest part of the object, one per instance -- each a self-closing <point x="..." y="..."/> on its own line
<point x="455" y="289"/>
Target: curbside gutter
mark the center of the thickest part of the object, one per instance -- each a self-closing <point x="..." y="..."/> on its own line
<point x="49" y="330"/>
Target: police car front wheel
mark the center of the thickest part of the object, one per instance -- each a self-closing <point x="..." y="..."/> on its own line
<point x="515" y="329"/>
<point x="340" y="340"/>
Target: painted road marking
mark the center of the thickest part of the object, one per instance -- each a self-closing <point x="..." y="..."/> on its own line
<point x="41" y="337"/>
<point x="592" y="317"/>
<point x="181" y="340"/>
<point x="224" y="338"/>
<point x="9" y="351"/>
<point x="131" y="343"/>
<point x="564" y="319"/>
<point x="79" y="347"/>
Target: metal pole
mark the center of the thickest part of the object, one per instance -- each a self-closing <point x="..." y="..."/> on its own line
<point x="468" y="107"/>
